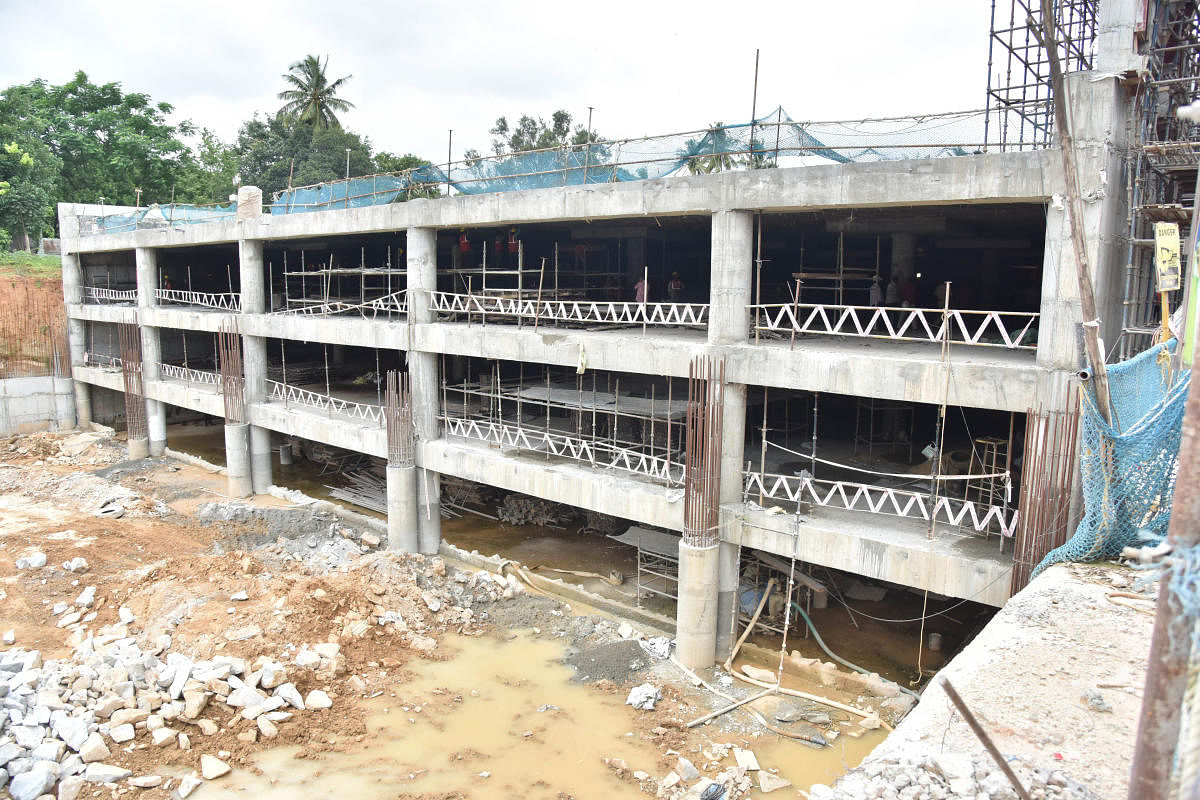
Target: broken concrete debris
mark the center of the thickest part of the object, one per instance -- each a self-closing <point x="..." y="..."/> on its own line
<point x="643" y="697"/>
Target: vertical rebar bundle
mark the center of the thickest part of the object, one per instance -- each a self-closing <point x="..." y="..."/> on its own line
<point x="1046" y="482"/>
<point x="229" y="347"/>
<point x="398" y="414"/>
<point x="33" y="331"/>
<point x="702" y="453"/>
<point x="131" y="372"/>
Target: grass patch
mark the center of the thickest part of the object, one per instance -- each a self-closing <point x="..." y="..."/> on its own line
<point x="30" y="265"/>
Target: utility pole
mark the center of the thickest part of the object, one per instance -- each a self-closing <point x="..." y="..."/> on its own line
<point x="1087" y="296"/>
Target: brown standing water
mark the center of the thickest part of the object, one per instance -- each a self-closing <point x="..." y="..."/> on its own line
<point x="499" y="723"/>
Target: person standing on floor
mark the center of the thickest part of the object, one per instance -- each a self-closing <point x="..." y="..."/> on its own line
<point x="675" y="288"/>
<point x="639" y="290"/>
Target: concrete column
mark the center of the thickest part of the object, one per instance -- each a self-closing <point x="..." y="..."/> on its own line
<point x="260" y="459"/>
<point x="1116" y="49"/>
<point x="423" y="371"/>
<point x="146" y="261"/>
<point x="237" y="459"/>
<point x="1098" y="113"/>
<point x="696" y="612"/>
<point x="904" y="255"/>
<point x="137" y="448"/>
<point x="733" y="437"/>
<point x="732" y="272"/>
<point x="77" y="344"/>
<point x="254" y="365"/>
<point x="252" y="276"/>
<point x="72" y="278"/>
<point x="402" y="511"/>
<point x="728" y="579"/>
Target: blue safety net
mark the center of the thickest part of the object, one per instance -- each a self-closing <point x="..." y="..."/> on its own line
<point x="157" y="216"/>
<point x="770" y="141"/>
<point x="1128" y="469"/>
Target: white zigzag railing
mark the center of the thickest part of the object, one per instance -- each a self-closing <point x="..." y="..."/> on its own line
<point x="99" y="294"/>
<point x="881" y="500"/>
<point x="577" y="311"/>
<point x="225" y="301"/>
<point x="189" y="375"/>
<point x="1015" y="330"/>
<point x="596" y="453"/>
<point x="101" y="361"/>
<point x="287" y="393"/>
<point x="394" y="303"/>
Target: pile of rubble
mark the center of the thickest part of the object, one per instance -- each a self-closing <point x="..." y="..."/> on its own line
<point x="522" y="509"/>
<point x="55" y="448"/>
<point x="941" y="776"/>
<point x="65" y="720"/>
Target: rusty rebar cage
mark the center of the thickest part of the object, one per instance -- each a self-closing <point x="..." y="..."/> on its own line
<point x="702" y="453"/>
<point x="131" y="373"/>
<point x="229" y="348"/>
<point x="398" y="414"/>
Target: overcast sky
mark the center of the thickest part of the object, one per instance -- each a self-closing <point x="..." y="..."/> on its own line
<point x="421" y="68"/>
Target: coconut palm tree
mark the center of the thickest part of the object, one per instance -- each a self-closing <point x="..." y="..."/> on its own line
<point x="312" y="99"/>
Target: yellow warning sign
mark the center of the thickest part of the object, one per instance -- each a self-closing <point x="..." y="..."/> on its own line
<point x="1166" y="255"/>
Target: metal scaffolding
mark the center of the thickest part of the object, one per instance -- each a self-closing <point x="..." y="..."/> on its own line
<point x="1163" y="158"/>
<point x="1019" y="98"/>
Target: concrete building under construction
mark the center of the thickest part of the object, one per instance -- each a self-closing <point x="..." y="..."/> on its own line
<point x="838" y="354"/>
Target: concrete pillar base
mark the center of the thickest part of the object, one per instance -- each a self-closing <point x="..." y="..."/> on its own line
<point x="138" y="448"/>
<point x="696" y="612"/>
<point x="83" y="404"/>
<point x="156" y="424"/>
<point x="260" y="459"/>
<point x="429" y="510"/>
<point x="727" y="586"/>
<point x="237" y="459"/>
<point x="404" y="531"/>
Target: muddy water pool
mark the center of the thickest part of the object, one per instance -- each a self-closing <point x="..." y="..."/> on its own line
<point x="502" y="719"/>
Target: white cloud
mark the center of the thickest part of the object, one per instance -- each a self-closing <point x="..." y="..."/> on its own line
<point x="421" y="68"/>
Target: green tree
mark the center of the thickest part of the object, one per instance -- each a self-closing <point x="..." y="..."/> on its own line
<point x="208" y="175"/>
<point x="26" y="188"/>
<point x="270" y="150"/>
<point x="107" y="143"/>
<point x="312" y="99"/>
<point x="530" y="133"/>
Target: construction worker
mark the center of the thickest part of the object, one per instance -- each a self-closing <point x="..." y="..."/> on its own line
<point x="675" y="288"/>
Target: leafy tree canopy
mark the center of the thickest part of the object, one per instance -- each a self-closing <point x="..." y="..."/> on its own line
<point x="270" y="149"/>
<point x="530" y="133"/>
<point x="107" y="143"/>
<point x="26" y="187"/>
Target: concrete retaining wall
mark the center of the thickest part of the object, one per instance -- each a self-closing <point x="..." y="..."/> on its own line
<point x="36" y="404"/>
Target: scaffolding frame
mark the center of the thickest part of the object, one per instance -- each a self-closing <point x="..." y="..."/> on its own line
<point x="1020" y="102"/>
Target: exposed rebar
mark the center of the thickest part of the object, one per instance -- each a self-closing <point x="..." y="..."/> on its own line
<point x="398" y="413"/>
<point x="131" y="373"/>
<point x="702" y="453"/>
<point x="233" y="381"/>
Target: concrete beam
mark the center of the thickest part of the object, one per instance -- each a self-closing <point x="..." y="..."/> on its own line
<point x="985" y="178"/>
<point x="893" y="549"/>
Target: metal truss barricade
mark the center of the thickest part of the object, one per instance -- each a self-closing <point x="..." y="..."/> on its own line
<point x="586" y="312"/>
<point x="189" y="375"/>
<point x="394" y="303"/>
<point x="101" y="361"/>
<point x="596" y="453"/>
<point x="288" y="394"/>
<point x="1013" y="330"/>
<point x="881" y="500"/>
<point x="98" y="294"/>
<point x="225" y="301"/>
